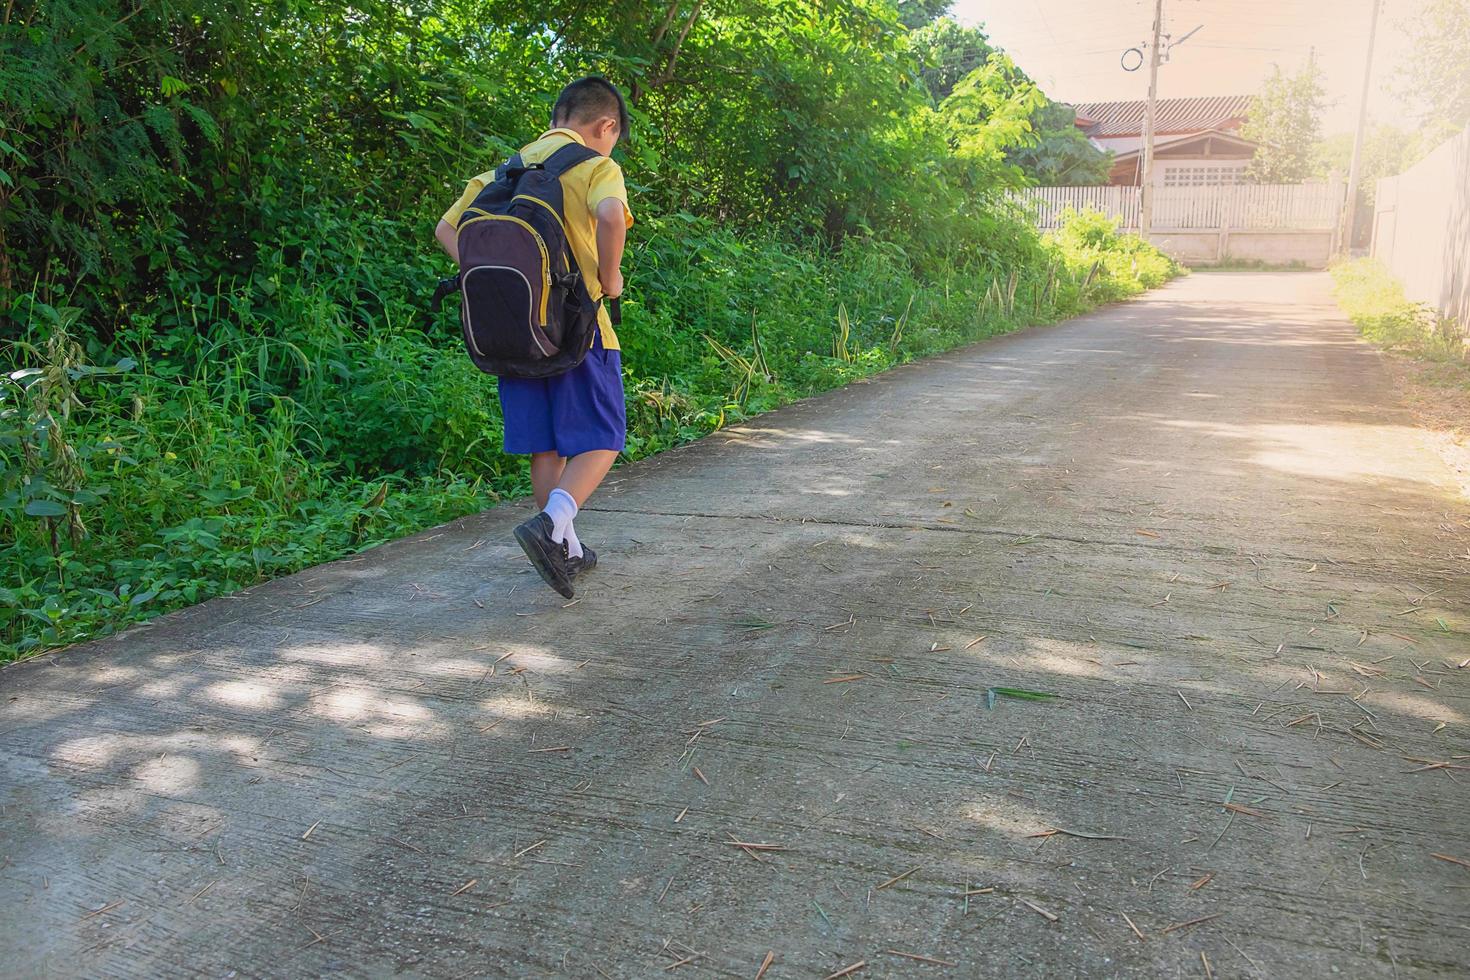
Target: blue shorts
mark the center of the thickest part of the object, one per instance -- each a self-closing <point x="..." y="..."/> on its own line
<point x="569" y="414"/>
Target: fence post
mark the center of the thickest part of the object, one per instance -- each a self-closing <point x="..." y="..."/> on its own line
<point x="1227" y="214"/>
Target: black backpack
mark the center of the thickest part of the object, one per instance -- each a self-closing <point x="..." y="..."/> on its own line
<point x="525" y="310"/>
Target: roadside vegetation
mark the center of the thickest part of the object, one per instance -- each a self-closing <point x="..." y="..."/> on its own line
<point x="215" y="252"/>
<point x="1374" y="300"/>
<point x="1430" y="359"/>
<point x="1235" y="264"/>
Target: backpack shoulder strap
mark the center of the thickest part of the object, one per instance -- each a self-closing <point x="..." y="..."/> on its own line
<point x="568" y="157"/>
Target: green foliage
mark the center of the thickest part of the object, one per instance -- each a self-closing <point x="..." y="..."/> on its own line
<point x="215" y="250"/>
<point x="948" y="51"/>
<point x="1285" y="123"/>
<point x="1436" y="76"/>
<point x="916" y="13"/>
<point x="1374" y="300"/>
<point x="988" y="113"/>
<point x="1232" y="263"/>
<point x="1060" y="155"/>
<point x="1125" y="263"/>
<point x="996" y="113"/>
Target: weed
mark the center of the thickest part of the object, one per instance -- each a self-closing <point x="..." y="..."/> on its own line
<point x="1375" y="301"/>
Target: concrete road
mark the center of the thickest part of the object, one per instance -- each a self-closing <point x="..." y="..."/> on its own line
<point x="1200" y="519"/>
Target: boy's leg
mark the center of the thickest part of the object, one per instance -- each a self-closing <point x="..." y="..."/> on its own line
<point x="526" y="406"/>
<point x="584" y="472"/>
<point x="589" y="421"/>
<point x="579" y="478"/>
<point x="546" y="471"/>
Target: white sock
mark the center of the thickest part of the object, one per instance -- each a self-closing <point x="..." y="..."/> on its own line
<point x="574" y="547"/>
<point x="562" y="509"/>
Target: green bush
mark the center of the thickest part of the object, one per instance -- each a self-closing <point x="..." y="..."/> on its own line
<point x="1130" y="263"/>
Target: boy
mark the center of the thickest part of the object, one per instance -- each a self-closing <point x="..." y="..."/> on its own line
<point x="573" y="425"/>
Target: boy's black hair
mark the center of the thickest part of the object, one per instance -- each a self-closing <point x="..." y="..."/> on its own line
<point x="591" y="98"/>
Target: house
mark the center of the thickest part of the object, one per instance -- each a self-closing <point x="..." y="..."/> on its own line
<point x="1196" y="141"/>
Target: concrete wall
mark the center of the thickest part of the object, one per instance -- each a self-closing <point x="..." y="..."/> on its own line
<point x="1310" y="248"/>
<point x="1189" y="247"/>
<point x="1421" y="228"/>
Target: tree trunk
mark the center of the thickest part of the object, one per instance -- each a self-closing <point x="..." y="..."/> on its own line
<point x="668" y="72"/>
<point x="637" y="91"/>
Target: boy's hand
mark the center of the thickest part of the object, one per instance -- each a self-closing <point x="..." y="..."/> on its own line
<point x="612" y="287"/>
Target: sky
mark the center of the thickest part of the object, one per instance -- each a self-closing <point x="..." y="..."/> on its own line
<point x="1072" y="47"/>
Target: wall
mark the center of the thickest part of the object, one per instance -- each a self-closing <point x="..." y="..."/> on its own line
<point x="1279" y="224"/>
<point x="1312" y="249"/>
<point x="1421" y="228"/>
<point x="1189" y="247"/>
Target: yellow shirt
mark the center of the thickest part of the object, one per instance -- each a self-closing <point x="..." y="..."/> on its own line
<point x="583" y="188"/>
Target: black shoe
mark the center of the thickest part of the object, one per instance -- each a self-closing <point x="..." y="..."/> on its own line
<point x="588" y="561"/>
<point x="548" y="557"/>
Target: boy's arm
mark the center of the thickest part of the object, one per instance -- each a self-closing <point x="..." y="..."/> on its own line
<point x="447" y="231"/>
<point x="612" y="233"/>
<point x="447" y="238"/>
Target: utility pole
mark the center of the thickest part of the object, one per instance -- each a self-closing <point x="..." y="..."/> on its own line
<point x="1146" y="219"/>
<point x="1350" y="212"/>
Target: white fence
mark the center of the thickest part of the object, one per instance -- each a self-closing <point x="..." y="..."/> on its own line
<point x="1045" y="205"/>
<point x="1272" y="223"/>
<point x="1293" y="207"/>
<point x="1421" y="228"/>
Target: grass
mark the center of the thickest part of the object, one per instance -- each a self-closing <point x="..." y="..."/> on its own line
<point x="1233" y="264"/>
<point x="1427" y="355"/>
<point x="1374" y="300"/>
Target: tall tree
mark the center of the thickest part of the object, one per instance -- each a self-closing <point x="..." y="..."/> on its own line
<point x="1050" y="149"/>
<point x="989" y="112"/>
<point x="949" y="51"/>
<point x="1286" y="125"/>
<point x="917" y="13"/>
<point x="161" y="148"/>
<point x="1437" y="77"/>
